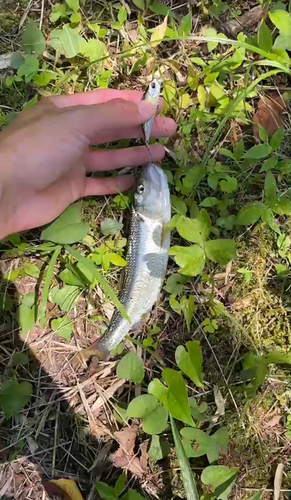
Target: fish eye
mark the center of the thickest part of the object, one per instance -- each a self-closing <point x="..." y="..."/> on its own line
<point x="140" y="189"/>
<point x="153" y="85"/>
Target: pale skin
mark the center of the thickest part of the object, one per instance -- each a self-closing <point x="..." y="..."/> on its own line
<point x="45" y="153"/>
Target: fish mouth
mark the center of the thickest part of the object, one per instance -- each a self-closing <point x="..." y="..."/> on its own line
<point x="155" y="176"/>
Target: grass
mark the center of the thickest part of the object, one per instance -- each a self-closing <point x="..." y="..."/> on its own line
<point x="67" y="429"/>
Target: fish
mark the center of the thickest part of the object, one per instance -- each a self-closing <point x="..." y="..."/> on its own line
<point x="152" y="94"/>
<point x="147" y="257"/>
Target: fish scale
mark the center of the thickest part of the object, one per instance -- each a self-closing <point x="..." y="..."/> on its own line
<point x="147" y="259"/>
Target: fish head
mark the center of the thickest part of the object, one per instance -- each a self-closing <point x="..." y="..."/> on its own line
<point x="154" y="89"/>
<point x="152" y="196"/>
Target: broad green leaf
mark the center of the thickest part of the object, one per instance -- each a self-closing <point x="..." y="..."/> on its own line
<point x="282" y="42"/>
<point x="281" y="206"/>
<point x="190" y="259"/>
<point x="190" y="361"/>
<point x="221" y="251"/>
<point x="122" y="14"/>
<point x="58" y="12"/>
<point x="277" y="139"/>
<point x="31" y="270"/>
<point x="226" y="152"/>
<point x="132" y="494"/>
<point x="140" y="4"/>
<point x="270" y="188"/>
<point x="29" y="68"/>
<point x="210" y="201"/>
<point x="14" y="396"/>
<point x="175" y="284"/>
<point x="43" y="78"/>
<point x="92" y="49"/>
<point x="27" y="316"/>
<point x="282" y="20"/>
<point x="186" y="472"/>
<point x="17" y="60"/>
<point x="73" y="4"/>
<point x="228" y="184"/>
<point x="20" y="358"/>
<point x="256" y="496"/>
<point x="65" y="297"/>
<point x="120" y="484"/>
<point x="278" y="357"/>
<point x="47" y="283"/>
<point x="154" y="415"/>
<point x="157" y="389"/>
<point x="211" y="446"/>
<point x="66" y="41"/>
<point x="29" y="299"/>
<point x="76" y="18"/>
<point x="160" y="9"/>
<point x="63" y="327"/>
<point x="130" y="367"/>
<point x="159" y="449"/>
<point x="158" y="33"/>
<point x="269" y="164"/>
<point x="190" y="229"/>
<point x="265" y="40"/>
<point x="110" y="226"/>
<point x="6" y="302"/>
<point x="258" y="152"/>
<point x="116" y="259"/>
<point x="210" y="33"/>
<point x="188" y="307"/>
<point x="105" y="491"/>
<point x="221" y="478"/>
<point x="177" y="398"/>
<point x="185" y="27"/>
<point x="255" y="370"/>
<point x="249" y="214"/>
<point x="68" y="227"/>
<point x="238" y="150"/>
<point x="263" y="134"/>
<point x="70" y="278"/>
<point x="32" y="39"/>
<point x="178" y="205"/>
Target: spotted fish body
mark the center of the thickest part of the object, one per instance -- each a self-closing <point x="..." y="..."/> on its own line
<point x="152" y="94"/>
<point x="147" y="256"/>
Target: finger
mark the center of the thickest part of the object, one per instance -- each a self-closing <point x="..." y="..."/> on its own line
<point x="162" y="127"/>
<point x="108" y="185"/>
<point x="97" y="97"/>
<point x="89" y="122"/>
<point x="111" y="159"/>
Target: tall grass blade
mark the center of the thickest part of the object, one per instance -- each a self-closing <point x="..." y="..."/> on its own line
<point x="47" y="281"/>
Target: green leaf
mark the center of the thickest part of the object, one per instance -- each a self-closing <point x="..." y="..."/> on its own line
<point x="20" y="358"/>
<point x="105" y="491"/>
<point x="68" y="227"/>
<point x="158" y="33"/>
<point x="17" y="60"/>
<point x="159" y="449"/>
<point x="153" y="414"/>
<point x="226" y="152"/>
<point x="47" y="282"/>
<point x="58" y="12"/>
<point x="66" y="41"/>
<point x="130" y="367"/>
<point x="65" y="297"/>
<point x="190" y="361"/>
<point x="76" y="18"/>
<point x="177" y="398"/>
<point x="249" y="214"/>
<point x="186" y="472"/>
<point x="228" y="184"/>
<point x="211" y="446"/>
<point x="132" y="495"/>
<point x="238" y="150"/>
<point x="26" y="317"/>
<point x="14" y="396"/>
<point x="221" y="251"/>
<point x="6" y="302"/>
<point x="190" y="229"/>
<point x="255" y="369"/>
<point x="270" y="188"/>
<point x="190" y="259"/>
<point x="256" y="496"/>
<point x="120" y="484"/>
<point x="258" y="152"/>
<point x="281" y="206"/>
<point x="277" y="139"/>
<point x="178" y="205"/>
<point x="110" y="226"/>
<point x="210" y="201"/>
<point x="92" y="49"/>
<point x="122" y="14"/>
<point x="160" y="9"/>
<point x="140" y="4"/>
<point x="32" y="39"/>
<point x="71" y="278"/>
<point x="269" y="164"/>
<point x="157" y="389"/>
<point x="282" y="20"/>
<point x="31" y="270"/>
<point x="265" y="40"/>
<point x="42" y="79"/>
<point x="29" y="68"/>
<point x="278" y="358"/>
<point x="282" y="42"/>
<point x="63" y="327"/>
<point x="185" y="27"/>
<point x="210" y="33"/>
<point x="188" y="307"/>
<point x="175" y="284"/>
<point x="73" y="4"/>
<point x="221" y="478"/>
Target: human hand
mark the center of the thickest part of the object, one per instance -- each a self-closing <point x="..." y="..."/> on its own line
<point x="45" y="153"/>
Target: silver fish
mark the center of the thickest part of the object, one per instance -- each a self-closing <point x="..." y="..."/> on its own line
<point x="147" y="256"/>
<point x="152" y="94"/>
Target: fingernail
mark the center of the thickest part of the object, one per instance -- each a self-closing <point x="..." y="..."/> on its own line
<point x="146" y="109"/>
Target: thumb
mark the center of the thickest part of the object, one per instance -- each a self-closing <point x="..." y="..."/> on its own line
<point x="117" y="113"/>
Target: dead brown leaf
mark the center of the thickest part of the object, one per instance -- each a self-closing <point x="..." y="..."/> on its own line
<point x="125" y="456"/>
<point x="273" y="422"/>
<point x="269" y="115"/>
